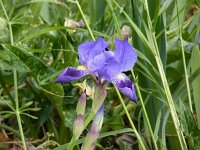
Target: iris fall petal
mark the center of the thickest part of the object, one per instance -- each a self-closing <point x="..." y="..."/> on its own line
<point x="69" y="74"/>
<point x="125" y="86"/>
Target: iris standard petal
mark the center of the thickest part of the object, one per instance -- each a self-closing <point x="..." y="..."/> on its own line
<point x="125" y="54"/>
<point x="105" y="66"/>
<point x="111" y="69"/>
<point x="89" y="50"/>
<point x="125" y="86"/>
<point x="69" y="74"/>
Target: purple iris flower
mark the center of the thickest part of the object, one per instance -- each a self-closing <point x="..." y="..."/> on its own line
<point x="104" y="64"/>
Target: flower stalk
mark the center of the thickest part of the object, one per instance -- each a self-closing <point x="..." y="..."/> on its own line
<point x="130" y="120"/>
<point x="145" y="112"/>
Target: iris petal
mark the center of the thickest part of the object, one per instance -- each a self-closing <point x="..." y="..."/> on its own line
<point x="69" y="74"/>
<point x="89" y="50"/>
<point x="125" y="86"/>
<point x="105" y="66"/>
<point x="125" y="54"/>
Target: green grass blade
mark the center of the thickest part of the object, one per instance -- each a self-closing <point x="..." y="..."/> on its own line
<point x="196" y="82"/>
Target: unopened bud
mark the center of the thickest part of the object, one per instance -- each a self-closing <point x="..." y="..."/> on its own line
<point x="99" y="97"/>
<point x="81" y="24"/>
<point x="80" y="108"/>
<point x="126" y="32"/>
<point x="74" y="24"/>
<point x="91" y="138"/>
<point x="78" y="126"/>
<point x="71" y="23"/>
<point x="94" y="130"/>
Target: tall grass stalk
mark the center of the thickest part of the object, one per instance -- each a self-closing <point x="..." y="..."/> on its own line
<point x="84" y="19"/>
<point x="145" y="112"/>
<point x="117" y="26"/>
<point x="130" y="120"/>
<point x="183" y="57"/>
<point x="155" y="51"/>
<point x="17" y="112"/>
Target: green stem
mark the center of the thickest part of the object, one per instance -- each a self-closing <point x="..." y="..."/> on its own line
<point x="71" y="144"/>
<point x="184" y="63"/>
<point x="4" y="10"/>
<point x="9" y="23"/>
<point x="11" y="33"/>
<point x="17" y="112"/>
<point x="84" y="19"/>
<point x="155" y="51"/>
<point x="89" y="118"/>
<point x="144" y="110"/>
<point x="130" y="120"/>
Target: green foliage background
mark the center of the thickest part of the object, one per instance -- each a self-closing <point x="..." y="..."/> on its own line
<point x="35" y="47"/>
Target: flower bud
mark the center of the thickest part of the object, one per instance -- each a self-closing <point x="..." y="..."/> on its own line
<point x="98" y="119"/>
<point x="78" y="126"/>
<point x="80" y="108"/>
<point x="74" y="24"/>
<point x="91" y="138"/>
<point x="99" y="97"/>
<point x="94" y="130"/>
<point x="126" y="32"/>
<point x="71" y="23"/>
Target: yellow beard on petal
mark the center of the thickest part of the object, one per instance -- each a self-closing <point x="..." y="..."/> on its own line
<point x="83" y="67"/>
<point x="120" y="77"/>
